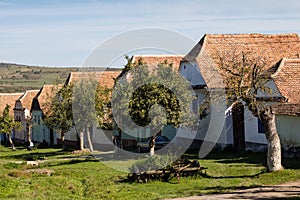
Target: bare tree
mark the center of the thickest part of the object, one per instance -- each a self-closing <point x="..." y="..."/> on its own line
<point x="247" y="82"/>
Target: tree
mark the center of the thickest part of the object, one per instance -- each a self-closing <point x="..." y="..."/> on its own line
<point x="60" y="117"/>
<point x="103" y="107"/>
<point x="7" y="125"/>
<point x="151" y="97"/>
<point x="247" y="82"/>
<point x="84" y="94"/>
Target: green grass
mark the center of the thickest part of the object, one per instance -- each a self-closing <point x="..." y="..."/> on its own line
<point x="91" y="179"/>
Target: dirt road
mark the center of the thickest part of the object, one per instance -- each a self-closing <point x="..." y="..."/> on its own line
<point x="284" y="191"/>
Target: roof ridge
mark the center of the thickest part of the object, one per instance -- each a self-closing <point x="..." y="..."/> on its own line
<point x="251" y="34"/>
<point x="17" y="93"/>
<point x="157" y="55"/>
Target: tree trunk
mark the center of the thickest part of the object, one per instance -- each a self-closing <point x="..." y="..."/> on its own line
<point x="88" y="135"/>
<point x="11" y="142"/>
<point x="29" y="134"/>
<point x="152" y="145"/>
<point x="81" y="141"/>
<point x="63" y="141"/>
<point x="274" y="147"/>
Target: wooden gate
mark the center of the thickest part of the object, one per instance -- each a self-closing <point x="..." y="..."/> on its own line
<point x="238" y="120"/>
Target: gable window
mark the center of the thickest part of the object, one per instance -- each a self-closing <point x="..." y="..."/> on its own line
<point x="260" y="126"/>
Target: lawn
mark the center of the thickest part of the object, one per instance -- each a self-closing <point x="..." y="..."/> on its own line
<point x="77" y="177"/>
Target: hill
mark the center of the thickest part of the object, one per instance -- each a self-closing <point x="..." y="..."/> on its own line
<point x="19" y="78"/>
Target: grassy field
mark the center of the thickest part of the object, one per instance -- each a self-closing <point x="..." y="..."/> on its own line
<point x="19" y="78"/>
<point x="75" y="177"/>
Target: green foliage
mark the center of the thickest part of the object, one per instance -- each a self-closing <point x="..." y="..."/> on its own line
<point x="153" y="163"/>
<point x="7" y="123"/>
<point x="84" y="103"/>
<point x="103" y="107"/>
<point x="59" y="115"/>
<point x="168" y="100"/>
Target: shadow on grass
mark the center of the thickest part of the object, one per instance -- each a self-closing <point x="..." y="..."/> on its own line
<point x="34" y="155"/>
<point x="233" y="177"/>
<point x="245" y="157"/>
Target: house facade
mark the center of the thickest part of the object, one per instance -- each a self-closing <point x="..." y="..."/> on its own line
<point x="40" y="132"/>
<point x="22" y="114"/>
<point x="101" y="139"/>
<point x="130" y="137"/>
<point x="272" y="48"/>
<point x="8" y="99"/>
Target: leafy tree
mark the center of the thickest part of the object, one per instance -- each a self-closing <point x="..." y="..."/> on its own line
<point x="59" y="117"/>
<point x="7" y="125"/>
<point x="247" y="82"/>
<point x="103" y="107"/>
<point x="84" y="94"/>
<point x="152" y="102"/>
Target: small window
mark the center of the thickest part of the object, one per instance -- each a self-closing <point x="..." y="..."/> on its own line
<point x="184" y="66"/>
<point x="39" y="120"/>
<point x="260" y="126"/>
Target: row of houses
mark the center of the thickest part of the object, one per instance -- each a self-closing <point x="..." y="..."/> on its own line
<point x="201" y="66"/>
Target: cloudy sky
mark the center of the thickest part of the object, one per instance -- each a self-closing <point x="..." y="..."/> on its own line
<point x="64" y="32"/>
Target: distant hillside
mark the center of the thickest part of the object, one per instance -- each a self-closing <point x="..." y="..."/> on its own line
<point x="18" y="78"/>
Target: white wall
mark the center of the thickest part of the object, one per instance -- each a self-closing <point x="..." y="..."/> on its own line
<point x="70" y="135"/>
<point x="191" y="72"/>
<point x="251" y="129"/>
<point x="288" y="128"/>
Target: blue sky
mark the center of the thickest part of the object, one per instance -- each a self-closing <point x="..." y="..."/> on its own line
<point x="63" y="33"/>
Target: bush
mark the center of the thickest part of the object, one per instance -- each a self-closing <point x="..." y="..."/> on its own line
<point x="153" y="163"/>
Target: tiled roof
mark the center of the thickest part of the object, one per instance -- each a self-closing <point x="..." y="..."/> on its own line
<point x="287" y="79"/>
<point x="287" y="109"/>
<point x="154" y="60"/>
<point x="27" y="97"/>
<point x="41" y="98"/>
<point x="270" y="47"/>
<point x="105" y="78"/>
<point x="10" y="99"/>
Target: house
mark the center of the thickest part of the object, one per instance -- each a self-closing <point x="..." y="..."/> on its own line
<point x="8" y="99"/>
<point x="22" y="114"/>
<point x="39" y="107"/>
<point x="287" y="78"/>
<point x="127" y="138"/>
<point x="244" y="131"/>
<point x="102" y="139"/>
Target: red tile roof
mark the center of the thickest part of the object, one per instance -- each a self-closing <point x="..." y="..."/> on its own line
<point x="270" y="47"/>
<point x="10" y="99"/>
<point x="287" y="109"/>
<point x="287" y="79"/>
<point x="43" y="96"/>
<point x="105" y="78"/>
<point x="27" y="97"/>
<point x="154" y="60"/>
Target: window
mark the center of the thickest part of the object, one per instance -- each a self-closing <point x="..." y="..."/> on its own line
<point x="260" y="126"/>
<point x="39" y="120"/>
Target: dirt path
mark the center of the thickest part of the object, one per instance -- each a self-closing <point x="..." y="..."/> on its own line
<point x="285" y="191"/>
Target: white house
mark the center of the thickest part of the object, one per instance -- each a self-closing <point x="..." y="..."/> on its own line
<point x="22" y="114"/>
<point x="245" y="131"/>
<point x="40" y="132"/>
<point x="8" y="99"/>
